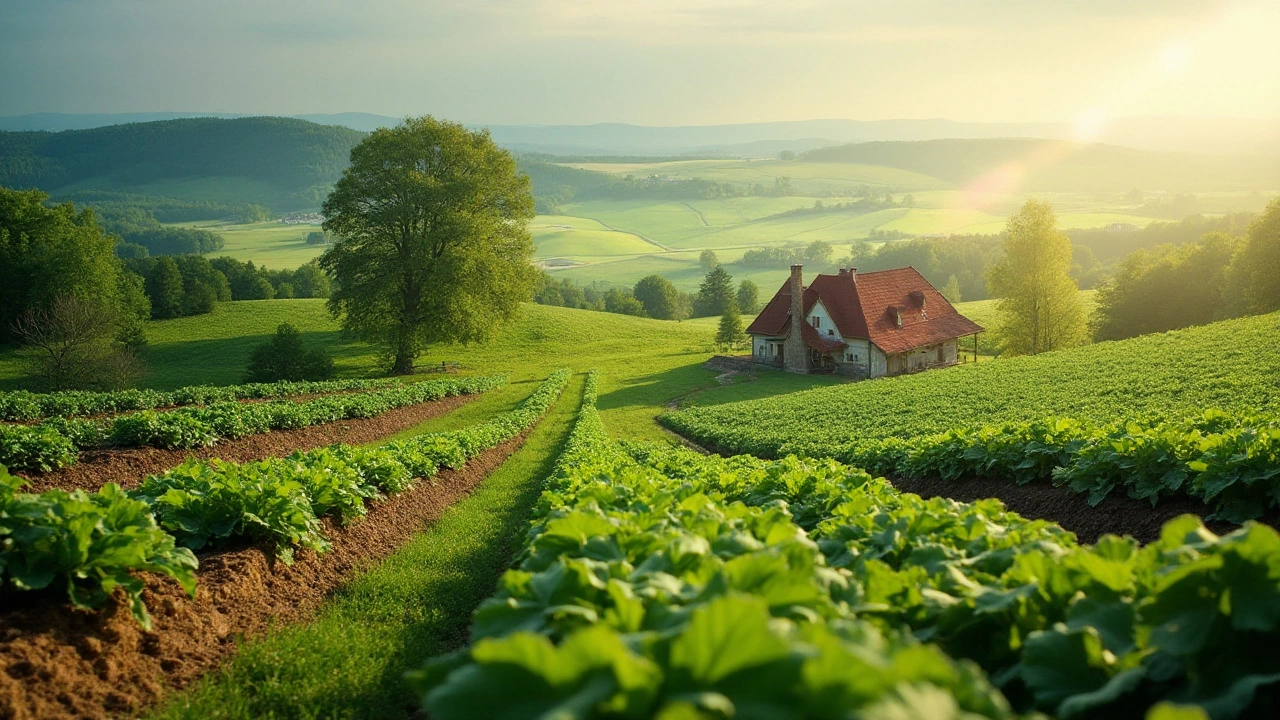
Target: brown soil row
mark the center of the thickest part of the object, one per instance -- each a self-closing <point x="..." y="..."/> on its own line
<point x="58" y="662"/>
<point x="127" y="467"/>
<point x="1117" y="515"/>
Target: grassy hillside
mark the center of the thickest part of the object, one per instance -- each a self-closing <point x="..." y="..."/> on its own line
<point x="1229" y="365"/>
<point x="645" y="363"/>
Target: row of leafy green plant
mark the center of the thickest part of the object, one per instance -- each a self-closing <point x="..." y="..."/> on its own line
<point x="658" y="582"/>
<point x="1229" y="462"/>
<point x="24" y="406"/>
<point x="1230" y="365"/>
<point x="56" y="442"/>
<point x="92" y="543"/>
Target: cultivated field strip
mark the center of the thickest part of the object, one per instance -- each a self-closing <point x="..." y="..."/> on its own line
<point x="1229" y="464"/>
<point x="90" y="544"/>
<point x="23" y="406"/>
<point x="1231" y="366"/>
<point x="56" y="443"/>
<point x="659" y="582"/>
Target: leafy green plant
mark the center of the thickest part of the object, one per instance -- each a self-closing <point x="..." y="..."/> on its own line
<point x="90" y="543"/>
<point x="39" y="449"/>
<point x="659" y="582"/>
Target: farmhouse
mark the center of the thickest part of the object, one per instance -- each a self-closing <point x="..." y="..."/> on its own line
<point x="869" y="325"/>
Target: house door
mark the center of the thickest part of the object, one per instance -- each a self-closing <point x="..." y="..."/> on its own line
<point x="895" y="364"/>
<point x="942" y="354"/>
<point x="781" y="348"/>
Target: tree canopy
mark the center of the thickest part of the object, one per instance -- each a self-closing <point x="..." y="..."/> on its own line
<point x="660" y="298"/>
<point x="715" y="293"/>
<point x="51" y="252"/>
<point x="432" y="238"/>
<point x="1039" y="306"/>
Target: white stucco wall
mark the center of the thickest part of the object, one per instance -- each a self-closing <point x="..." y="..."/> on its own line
<point x="765" y="347"/>
<point x="825" y="326"/>
<point x="879" y="364"/>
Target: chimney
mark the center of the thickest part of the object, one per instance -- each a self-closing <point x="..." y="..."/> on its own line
<point x="797" y="291"/>
<point x="853" y="274"/>
<point x="795" y="354"/>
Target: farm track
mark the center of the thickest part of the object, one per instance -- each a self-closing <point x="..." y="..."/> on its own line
<point x="58" y="662"/>
<point x="128" y="466"/>
<point x="1117" y="515"/>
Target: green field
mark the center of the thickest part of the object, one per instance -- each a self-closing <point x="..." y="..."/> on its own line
<point x="1228" y="365"/>
<point x="646" y="363"/>
<point x="272" y="245"/>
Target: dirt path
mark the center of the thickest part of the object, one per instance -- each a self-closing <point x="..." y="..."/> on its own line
<point x="58" y="662"/>
<point x="651" y="241"/>
<point x="128" y="466"/>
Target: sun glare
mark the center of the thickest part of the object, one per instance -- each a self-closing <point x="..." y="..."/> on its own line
<point x="1175" y="58"/>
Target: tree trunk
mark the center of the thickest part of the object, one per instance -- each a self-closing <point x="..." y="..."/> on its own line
<point x="404" y="354"/>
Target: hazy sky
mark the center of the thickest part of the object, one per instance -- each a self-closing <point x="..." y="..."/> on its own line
<point x="657" y="62"/>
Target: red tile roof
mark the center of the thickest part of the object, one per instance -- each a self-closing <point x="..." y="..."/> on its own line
<point x="867" y="307"/>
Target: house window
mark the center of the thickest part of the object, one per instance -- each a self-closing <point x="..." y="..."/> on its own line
<point x="817" y="321"/>
<point x="831" y="332"/>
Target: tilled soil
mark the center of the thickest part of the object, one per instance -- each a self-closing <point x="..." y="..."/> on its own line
<point x="1116" y="515"/>
<point x="128" y="466"/>
<point x="58" y="662"/>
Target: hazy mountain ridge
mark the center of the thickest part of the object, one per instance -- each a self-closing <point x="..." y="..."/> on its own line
<point x="1200" y="135"/>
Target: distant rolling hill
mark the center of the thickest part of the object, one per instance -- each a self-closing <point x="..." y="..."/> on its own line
<point x="1058" y="165"/>
<point x="278" y="162"/>
<point x="290" y="164"/>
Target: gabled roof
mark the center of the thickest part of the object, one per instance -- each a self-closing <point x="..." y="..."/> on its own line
<point x="868" y="305"/>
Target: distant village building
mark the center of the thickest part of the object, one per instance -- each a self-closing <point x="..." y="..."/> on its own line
<point x="861" y="325"/>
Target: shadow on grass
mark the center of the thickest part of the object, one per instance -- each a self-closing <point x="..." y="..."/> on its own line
<point x="222" y="361"/>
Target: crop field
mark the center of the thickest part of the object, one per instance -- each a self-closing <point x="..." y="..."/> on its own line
<point x="1229" y="366"/>
<point x="592" y="567"/>
<point x="657" y="581"/>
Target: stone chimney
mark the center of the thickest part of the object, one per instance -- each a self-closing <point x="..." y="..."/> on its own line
<point x="851" y="273"/>
<point x="796" y="355"/>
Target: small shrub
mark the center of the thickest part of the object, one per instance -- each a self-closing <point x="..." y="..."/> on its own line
<point x="284" y="358"/>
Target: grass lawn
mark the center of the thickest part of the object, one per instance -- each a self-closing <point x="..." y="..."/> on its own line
<point x="349" y="662"/>
<point x="644" y="363"/>
<point x="272" y="245"/>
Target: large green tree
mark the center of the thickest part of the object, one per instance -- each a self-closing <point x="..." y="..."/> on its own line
<point x="51" y="252"/>
<point x="660" y="298"/>
<point x="432" y="238"/>
<point x="1255" y="274"/>
<point x="1039" y="307"/>
<point x="715" y="293"/>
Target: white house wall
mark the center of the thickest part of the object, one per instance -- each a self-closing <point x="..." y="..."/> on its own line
<point x="879" y="363"/>
<point x="826" y="327"/>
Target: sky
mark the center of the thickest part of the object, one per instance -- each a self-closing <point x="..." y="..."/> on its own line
<point x="653" y="62"/>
